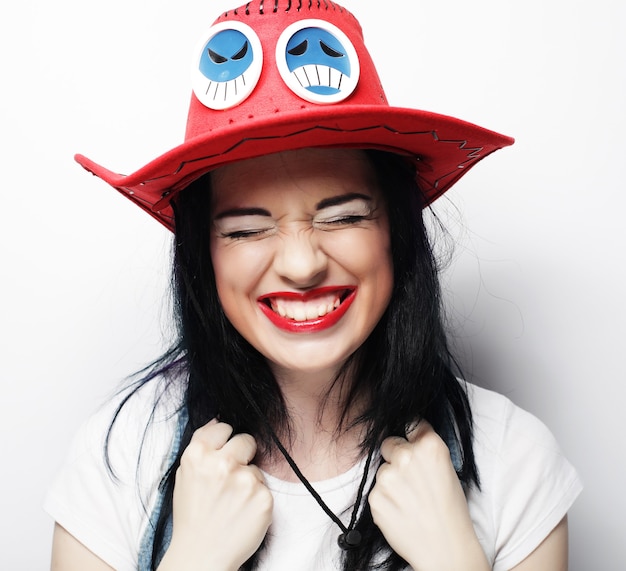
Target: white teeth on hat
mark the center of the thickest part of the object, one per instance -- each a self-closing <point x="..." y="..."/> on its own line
<point x="315" y="75"/>
<point x="224" y="91"/>
<point x="303" y="310"/>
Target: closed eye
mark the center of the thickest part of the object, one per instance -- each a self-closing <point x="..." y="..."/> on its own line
<point x="351" y="219"/>
<point x="330" y="51"/>
<point x="339" y="222"/>
<point x="241" y="53"/>
<point x="243" y="234"/>
<point x="299" y="49"/>
<point x="344" y="210"/>
<point x="243" y="223"/>
<point x="216" y="58"/>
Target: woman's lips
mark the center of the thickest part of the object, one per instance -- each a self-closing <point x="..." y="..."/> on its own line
<point x="308" y="312"/>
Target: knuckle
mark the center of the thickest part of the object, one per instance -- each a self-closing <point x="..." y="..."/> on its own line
<point x="266" y="500"/>
<point x="225" y="465"/>
<point x="382" y="477"/>
<point x="212" y="430"/>
<point x="374" y="497"/>
<point x="193" y="454"/>
<point x="375" y="500"/>
<point x="386" y="481"/>
<point x="248" y="441"/>
<point x="432" y="444"/>
<point x="403" y="456"/>
<point x="245" y="481"/>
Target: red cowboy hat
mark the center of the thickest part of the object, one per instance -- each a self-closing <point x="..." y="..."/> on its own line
<point x="276" y="75"/>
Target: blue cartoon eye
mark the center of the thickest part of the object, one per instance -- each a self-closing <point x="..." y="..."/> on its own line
<point x="317" y="61"/>
<point x="216" y="58"/>
<point x="330" y="51"/>
<point x="229" y="66"/>
<point x="227" y="56"/>
<point x="240" y="55"/>
<point x="301" y="49"/>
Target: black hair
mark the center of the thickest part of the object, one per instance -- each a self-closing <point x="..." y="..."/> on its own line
<point x="404" y="368"/>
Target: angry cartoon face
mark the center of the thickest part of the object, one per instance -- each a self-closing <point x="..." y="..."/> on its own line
<point x="317" y="61"/>
<point x="229" y="65"/>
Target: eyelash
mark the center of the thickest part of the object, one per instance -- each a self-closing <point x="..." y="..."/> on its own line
<point x="344" y="220"/>
<point x="242" y="234"/>
<point x="339" y="221"/>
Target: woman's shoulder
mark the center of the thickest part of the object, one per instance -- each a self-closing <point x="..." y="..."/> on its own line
<point x="132" y="410"/>
<point x="113" y="468"/>
<point x="499" y="424"/>
<point x="486" y="402"/>
<point x="493" y="412"/>
<point x="527" y="484"/>
<point x="126" y="442"/>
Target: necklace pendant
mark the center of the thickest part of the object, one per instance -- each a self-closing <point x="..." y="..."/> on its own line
<point x="351" y="539"/>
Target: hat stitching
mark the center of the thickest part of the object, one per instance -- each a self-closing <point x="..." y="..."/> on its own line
<point x="327" y="5"/>
<point x="301" y="132"/>
<point x="157" y="207"/>
<point x="473" y="152"/>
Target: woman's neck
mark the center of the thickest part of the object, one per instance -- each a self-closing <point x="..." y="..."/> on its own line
<point x="318" y="455"/>
<point x="322" y="441"/>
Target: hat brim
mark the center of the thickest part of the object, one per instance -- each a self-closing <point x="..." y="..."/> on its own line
<point x="444" y="149"/>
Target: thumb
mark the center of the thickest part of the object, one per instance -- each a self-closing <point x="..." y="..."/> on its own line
<point x="417" y="429"/>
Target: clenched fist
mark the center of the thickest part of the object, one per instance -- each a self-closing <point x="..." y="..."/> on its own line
<point x="222" y="507"/>
<point x="419" y="505"/>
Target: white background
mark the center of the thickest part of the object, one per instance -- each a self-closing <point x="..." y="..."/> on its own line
<point x="538" y="279"/>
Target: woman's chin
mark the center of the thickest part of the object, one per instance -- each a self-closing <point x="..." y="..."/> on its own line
<point x="316" y="366"/>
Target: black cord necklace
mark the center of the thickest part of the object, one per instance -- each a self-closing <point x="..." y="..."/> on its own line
<point x="349" y="538"/>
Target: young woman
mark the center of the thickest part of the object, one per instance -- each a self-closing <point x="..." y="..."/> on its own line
<point x="308" y="415"/>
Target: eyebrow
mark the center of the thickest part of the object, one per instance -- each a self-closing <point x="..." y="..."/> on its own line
<point x="341" y="199"/>
<point x="242" y="212"/>
<point x="324" y="203"/>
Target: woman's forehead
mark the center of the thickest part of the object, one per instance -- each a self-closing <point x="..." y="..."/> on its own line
<point x="315" y="172"/>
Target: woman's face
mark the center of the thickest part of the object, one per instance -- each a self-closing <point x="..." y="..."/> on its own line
<point x="301" y="253"/>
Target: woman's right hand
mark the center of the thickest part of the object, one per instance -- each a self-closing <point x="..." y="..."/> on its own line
<point x="222" y="507"/>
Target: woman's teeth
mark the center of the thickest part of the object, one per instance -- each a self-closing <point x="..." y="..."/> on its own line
<point x="305" y="310"/>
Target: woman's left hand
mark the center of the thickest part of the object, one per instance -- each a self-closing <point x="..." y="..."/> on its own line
<point x="419" y="505"/>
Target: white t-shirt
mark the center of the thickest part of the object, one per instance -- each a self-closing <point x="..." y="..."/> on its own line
<point x="527" y="486"/>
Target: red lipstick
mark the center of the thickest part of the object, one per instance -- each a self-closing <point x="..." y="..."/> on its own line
<point x="346" y="296"/>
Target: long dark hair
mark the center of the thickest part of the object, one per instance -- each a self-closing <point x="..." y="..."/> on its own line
<point x="404" y="368"/>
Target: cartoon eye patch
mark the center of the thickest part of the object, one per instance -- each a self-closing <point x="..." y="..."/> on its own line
<point x="228" y="67"/>
<point x="317" y="61"/>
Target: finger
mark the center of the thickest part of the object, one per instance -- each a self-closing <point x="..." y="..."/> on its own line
<point x="213" y="435"/>
<point x="390" y="445"/>
<point x="257" y="473"/>
<point x="384" y="467"/>
<point x="242" y="447"/>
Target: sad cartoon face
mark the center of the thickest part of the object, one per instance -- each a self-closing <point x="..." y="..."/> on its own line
<point x="229" y="66"/>
<point x="317" y="61"/>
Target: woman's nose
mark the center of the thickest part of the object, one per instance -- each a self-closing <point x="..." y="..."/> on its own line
<point x="300" y="261"/>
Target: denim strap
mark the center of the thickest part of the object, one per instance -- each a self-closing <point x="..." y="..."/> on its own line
<point x="145" y="549"/>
